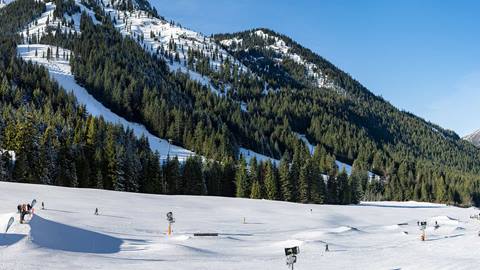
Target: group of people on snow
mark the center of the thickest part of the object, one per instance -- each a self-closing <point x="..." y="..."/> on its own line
<point x="24" y="209"/>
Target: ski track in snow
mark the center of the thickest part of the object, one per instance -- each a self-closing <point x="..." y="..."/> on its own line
<point x="130" y="231"/>
<point x="60" y="71"/>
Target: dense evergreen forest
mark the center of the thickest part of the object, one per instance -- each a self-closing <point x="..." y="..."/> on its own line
<point x="57" y="142"/>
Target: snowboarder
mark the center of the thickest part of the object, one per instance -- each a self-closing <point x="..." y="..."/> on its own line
<point x="96" y="211"/>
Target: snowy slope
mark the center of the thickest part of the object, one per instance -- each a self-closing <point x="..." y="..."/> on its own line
<point x="5" y="2"/>
<point x="474" y="138"/>
<point x="155" y="35"/>
<point x="284" y="51"/>
<point x="248" y="154"/>
<point x="60" y="70"/>
<point x="39" y="27"/>
<point x="129" y="233"/>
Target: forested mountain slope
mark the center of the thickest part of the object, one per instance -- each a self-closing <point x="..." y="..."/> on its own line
<point x="256" y="90"/>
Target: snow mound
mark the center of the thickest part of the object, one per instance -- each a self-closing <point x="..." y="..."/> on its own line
<point x="53" y="235"/>
<point x="249" y="154"/>
<point x="444" y="220"/>
<point x="343" y="229"/>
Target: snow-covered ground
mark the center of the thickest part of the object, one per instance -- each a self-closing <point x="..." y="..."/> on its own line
<point x="130" y="231"/>
<point x="60" y="70"/>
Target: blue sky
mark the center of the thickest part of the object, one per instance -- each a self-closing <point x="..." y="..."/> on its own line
<point x="421" y="55"/>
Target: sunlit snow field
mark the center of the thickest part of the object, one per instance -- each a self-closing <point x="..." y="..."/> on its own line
<point x="130" y="233"/>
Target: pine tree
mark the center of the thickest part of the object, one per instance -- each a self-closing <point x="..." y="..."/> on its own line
<point x="241" y="180"/>
<point x="343" y="188"/>
<point x="3" y="169"/>
<point x="256" y="192"/>
<point x="304" y="184"/>
<point x="285" y="180"/>
<point x="270" y="181"/>
<point x="119" y="176"/>
<point x="193" y="177"/>
<point x="173" y="181"/>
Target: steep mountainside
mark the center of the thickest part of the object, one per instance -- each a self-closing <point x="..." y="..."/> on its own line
<point x="287" y="65"/>
<point x="227" y="97"/>
<point x="474" y="138"/>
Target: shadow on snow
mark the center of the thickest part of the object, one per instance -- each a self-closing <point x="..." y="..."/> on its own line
<point x="10" y="238"/>
<point x="53" y="235"/>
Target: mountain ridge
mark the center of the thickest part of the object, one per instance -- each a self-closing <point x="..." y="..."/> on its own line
<point x="255" y="91"/>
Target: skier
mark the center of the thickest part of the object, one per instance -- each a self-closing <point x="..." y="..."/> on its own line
<point x="96" y="211"/>
<point x="326" y="248"/>
<point x="43" y="206"/>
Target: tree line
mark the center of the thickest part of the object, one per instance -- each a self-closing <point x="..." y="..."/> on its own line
<point x="57" y="142"/>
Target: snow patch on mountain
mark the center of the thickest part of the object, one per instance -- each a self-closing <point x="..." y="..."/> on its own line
<point x="60" y="70"/>
<point x="248" y="154"/>
<point x="5" y="2"/>
<point x="473" y="138"/>
<point x="171" y="42"/>
<point x="313" y="71"/>
<point x="10" y="153"/>
<point x="341" y="165"/>
<point x="47" y="21"/>
<point x="280" y="47"/>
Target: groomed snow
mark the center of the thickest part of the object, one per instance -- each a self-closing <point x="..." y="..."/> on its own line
<point x="60" y="71"/>
<point x="130" y="231"/>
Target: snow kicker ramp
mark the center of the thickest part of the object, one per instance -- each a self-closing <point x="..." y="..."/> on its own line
<point x="8" y="238"/>
<point x="49" y="234"/>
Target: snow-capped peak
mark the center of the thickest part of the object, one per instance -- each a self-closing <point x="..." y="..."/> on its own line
<point x="474" y="138"/>
<point x="284" y="50"/>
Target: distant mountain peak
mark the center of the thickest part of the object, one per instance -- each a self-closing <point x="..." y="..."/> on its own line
<point x="474" y="138"/>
